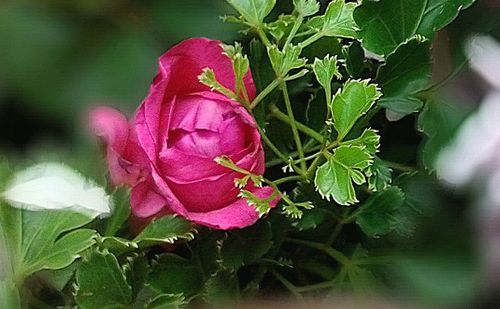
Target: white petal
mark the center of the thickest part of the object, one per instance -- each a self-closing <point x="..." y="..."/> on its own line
<point x="484" y="56"/>
<point x="476" y="147"/>
<point x="55" y="186"/>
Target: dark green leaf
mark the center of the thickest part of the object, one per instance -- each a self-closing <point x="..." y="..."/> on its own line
<point x="387" y="23"/>
<point x="165" y="229"/>
<point x="173" y="274"/>
<point x="120" y="212"/>
<point x="101" y="283"/>
<point x="406" y="71"/>
<point x="376" y="216"/>
<point x="380" y="175"/>
<point x="354" y="56"/>
<point x="247" y="245"/>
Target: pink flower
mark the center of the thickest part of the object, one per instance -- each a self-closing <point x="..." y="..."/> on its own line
<point x="166" y="152"/>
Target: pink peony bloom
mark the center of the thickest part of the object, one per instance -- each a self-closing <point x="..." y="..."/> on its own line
<point x="166" y="152"/>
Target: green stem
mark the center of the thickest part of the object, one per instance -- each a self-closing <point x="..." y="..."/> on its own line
<point x="293" y="124"/>
<point x="288" y="179"/>
<point x="302" y="127"/>
<point x="292" y="155"/>
<point x="400" y="167"/>
<point x="315" y="287"/>
<point x="311" y="39"/>
<point x="263" y="37"/>
<point x="335" y="254"/>
<point x="264" y="93"/>
<point x="296" y="26"/>
<point x="276" y="151"/>
<point x="290" y="286"/>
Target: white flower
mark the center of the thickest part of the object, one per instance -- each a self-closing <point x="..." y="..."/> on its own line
<point x="56" y="186"/>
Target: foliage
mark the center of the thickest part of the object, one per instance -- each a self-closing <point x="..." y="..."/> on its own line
<point x="325" y="75"/>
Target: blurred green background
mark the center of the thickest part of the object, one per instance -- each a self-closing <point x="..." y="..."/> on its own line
<point x="58" y="58"/>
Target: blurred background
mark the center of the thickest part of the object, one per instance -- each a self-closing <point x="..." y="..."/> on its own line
<point x="58" y="58"/>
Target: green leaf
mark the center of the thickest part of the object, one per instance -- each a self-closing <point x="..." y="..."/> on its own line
<point x="222" y="290"/>
<point x="173" y="274"/>
<point x="369" y="139"/>
<point x="407" y="70"/>
<point x="9" y="296"/>
<point x="253" y="11"/>
<point x="240" y="63"/>
<point x="247" y="245"/>
<point x="37" y="240"/>
<point x="379" y="175"/>
<point x="65" y="250"/>
<point x="306" y="7"/>
<point x="354" y="56"/>
<point x="325" y="69"/>
<point x="387" y="23"/>
<point x="137" y="270"/>
<point x="120" y="211"/>
<point x="352" y="102"/>
<point x="166" y="229"/>
<point x="286" y="60"/>
<point x="117" y="245"/>
<point x="281" y="27"/>
<point x="167" y="301"/>
<point x="376" y="216"/>
<point x="101" y="283"/>
<point x="335" y="178"/>
<point x="338" y="20"/>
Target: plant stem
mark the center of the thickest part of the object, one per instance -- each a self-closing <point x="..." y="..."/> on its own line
<point x="263" y="37"/>
<point x="311" y="39"/>
<point x="290" y="286"/>
<point x="292" y="155"/>
<point x="335" y="254"/>
<point x="296" y="26"/>
<point x="287" y="179"/>
<point x="265" y="92"/>
<point x="275" y="149"/>
<point x="400" y="167"/>
<point x="302" y="127"/>
<point x="293" y="124"/>
<point x="315" y="287"/>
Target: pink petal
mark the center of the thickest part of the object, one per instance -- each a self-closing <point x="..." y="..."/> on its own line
<point x="236" y="215"/>
<point x="145" y="201"/>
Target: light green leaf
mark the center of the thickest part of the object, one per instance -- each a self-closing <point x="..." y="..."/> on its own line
<point x="253" y="11"/>
<point x="407" y="70"/>
<point x="9" y="296"/>
<point x="65" y="250"/>
<point x="150" y="298"/>
<point x="335" y="178"/>
<point x="377" y="215"/>
<point x="33" y="239"/>
<point x="338" y="20"/>
<point x="281" y="27"/>
<point x="306" y="7"/>
<point x="247" y="245"/>
<point x="101" y="283"/>
<point x="166" y="229"/>
<point x="325" y="69"/>
<point x="286" y="60"/>
<point x="369" y="139"/>
<point x="387" y="23"/>
<point x="352" y="102"/>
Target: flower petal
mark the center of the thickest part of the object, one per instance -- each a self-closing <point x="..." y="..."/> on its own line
<point x="236" y="215"/>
